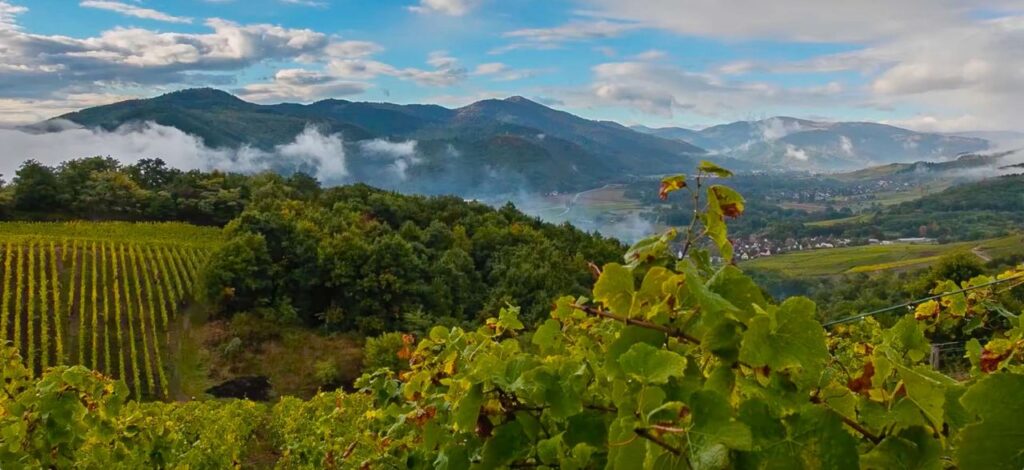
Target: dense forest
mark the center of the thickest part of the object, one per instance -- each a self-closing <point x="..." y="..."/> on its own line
<point x="359" y="258"/>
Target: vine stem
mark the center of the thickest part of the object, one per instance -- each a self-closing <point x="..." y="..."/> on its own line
<point x="696" y="216"/>
<point x="644" y="433"/>
<point x="641" y="323"/>
<point x="875" y="439"/>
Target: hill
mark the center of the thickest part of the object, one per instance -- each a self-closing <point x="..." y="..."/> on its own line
<point x="874" y="258"/>
<point x="925" y="169"/>
<point x="815" y="145"/>
<point x="970" y="211"/>
<point x="485" y="148"/>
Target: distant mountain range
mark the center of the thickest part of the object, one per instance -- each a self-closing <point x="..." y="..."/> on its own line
<point x="512" y="145"/>
<point x="488" y="147"/>
<point x="822" y="146"/>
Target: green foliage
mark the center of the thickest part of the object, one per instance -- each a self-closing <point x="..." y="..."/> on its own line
<point x="360" y="258"/>
<point x="386" y="351"/>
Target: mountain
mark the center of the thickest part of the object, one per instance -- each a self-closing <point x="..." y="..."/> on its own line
<point x="970" y="164"/>
<point x="488" y="147"/>
<point x="822" y="146"/>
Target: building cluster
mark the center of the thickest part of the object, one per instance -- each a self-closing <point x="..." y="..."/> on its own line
<point x="756" y="247"/>
<point x="854" y="192"/>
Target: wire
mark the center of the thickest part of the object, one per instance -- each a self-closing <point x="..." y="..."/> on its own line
<point x="918" y="301"/>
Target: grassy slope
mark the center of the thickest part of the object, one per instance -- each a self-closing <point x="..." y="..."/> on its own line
<point x="833" y="261"/>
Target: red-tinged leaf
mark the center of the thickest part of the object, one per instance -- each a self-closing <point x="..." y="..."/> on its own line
<point x="671" y="184"/>
<point x="926" y="310"/>
<point x="862" y="383"/>
<point x="995" y="352"/>
<point x="729" y="202"/>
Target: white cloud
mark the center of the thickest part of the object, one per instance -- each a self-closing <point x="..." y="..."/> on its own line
<point x="130" y="143"/>
<point x="445" y="7"/>
<point x="300" y="85"/>
<point x="446" y="72"/>
<point x="930" y="123"/>
<point x="401" y="154"/>
<point x="38" y="65"/>
<point x="306" y="3"/>
<point x="490" y="68"/>
<point x="661" y="90"/>
<point x="351" y="49"/>
<point x="943" y="59"/>
<point x="501" y="72"/>
<point x="134" y="11"/>
<point x="325" y="152"/>
<point x="796" y="153"/>
<point x="797" y="20"/>
<point x="573" y="31"/>
<point x="652" y="54"/>
<point x="20" y="111"/>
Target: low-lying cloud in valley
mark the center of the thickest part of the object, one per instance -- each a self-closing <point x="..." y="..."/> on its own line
<point x="323" y="155"/>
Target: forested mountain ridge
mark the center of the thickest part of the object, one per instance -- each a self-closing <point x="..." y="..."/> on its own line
<point x="533" y="147"/>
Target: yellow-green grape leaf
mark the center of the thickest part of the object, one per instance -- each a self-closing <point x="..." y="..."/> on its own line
<point x="652" y="365"/>
<point x="996" y="441"/>
<point x="926" y="391"/>
<point x="711" y="168"/>
<point x="650" y="249"/>
<point x="615" y="288"/>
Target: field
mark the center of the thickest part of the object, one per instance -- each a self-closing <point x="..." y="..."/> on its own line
<point x="98" y="294"/>
<point x="871" y="258"/>
<point x="844" y="220"/>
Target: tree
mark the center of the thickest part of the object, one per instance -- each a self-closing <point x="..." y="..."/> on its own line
<point x="36" y="188"/>
<point x="238" y="276"/>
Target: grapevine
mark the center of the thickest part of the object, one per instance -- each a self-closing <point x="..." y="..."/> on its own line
<point x="4" y="308"/>
<point x="58" y="319"/>
<point x="44" y="312"/>
<point x="138" y="278"/>
<point x="130" y="315"/>
<point x="30" y="307"/>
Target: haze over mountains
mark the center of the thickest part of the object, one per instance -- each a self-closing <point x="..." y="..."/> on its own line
<point x="495" y="147"/>
<point x="823" y="146"/>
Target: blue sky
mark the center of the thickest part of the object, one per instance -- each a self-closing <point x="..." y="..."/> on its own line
<point x="940" y="65"/>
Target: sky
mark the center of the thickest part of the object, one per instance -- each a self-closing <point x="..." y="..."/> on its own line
<point x="931" y="65"/>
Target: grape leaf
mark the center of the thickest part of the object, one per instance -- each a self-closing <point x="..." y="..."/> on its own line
<point x="468" y="409"/>
<point x="996" y="441"/>
<point x="787" y="337"/>
<point x="671" y="184"/>
<point x="652" y="365"/>
<point x="911" y="449"/>
<point x="712" y="418"/>
<point x="708" y="167"/>
<point x="615" y="288"/>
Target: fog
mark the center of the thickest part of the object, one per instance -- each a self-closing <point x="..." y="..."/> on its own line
<point x="131" y="143"/>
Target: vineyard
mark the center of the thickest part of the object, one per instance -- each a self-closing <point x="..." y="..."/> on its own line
<point x="102" y="295"/>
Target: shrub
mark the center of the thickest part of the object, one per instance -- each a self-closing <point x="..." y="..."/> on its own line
<point x="384" y="352"/>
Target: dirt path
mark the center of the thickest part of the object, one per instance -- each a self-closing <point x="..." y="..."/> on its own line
<point x="981" y="254"/>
